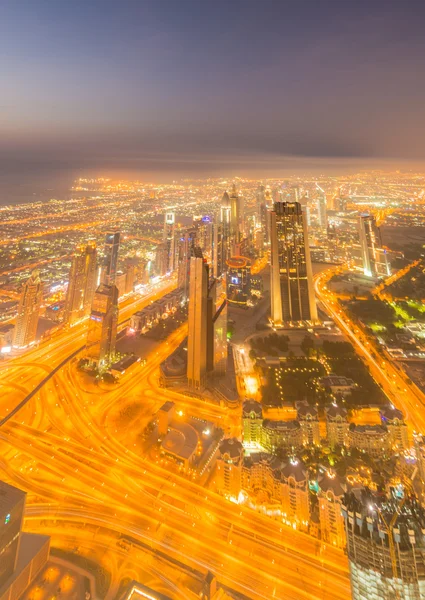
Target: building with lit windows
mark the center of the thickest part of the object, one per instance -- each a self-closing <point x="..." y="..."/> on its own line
<point x="284" y="483"/>
<point x="336" y="425"/>
<point x="393" y="420"/>
<point x="22" y="555"/>
<point x="102" y="331"/>
<point x="281" y="434"/>
<point x="292" y="292"/>
<point x="229" y="467"/>
<point x="252" y="422"/>
<point x="373" y="439"/>
<point x="207" y="332"/>
<point x="28" y="311"/>
<point x="308" y="417"/>
<point x="374" y="257"/>
<point x="238" y="280"/>
<point x="82" y="283"/>
<point x="110" y="264"/>
<point x="331" y="496"/>
<point x="385" y="545"/>
<point x="198" y="323"/>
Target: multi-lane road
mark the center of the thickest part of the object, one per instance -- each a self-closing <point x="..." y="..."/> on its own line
<point x="394" y="382"/>
<point x="81" y="465"/>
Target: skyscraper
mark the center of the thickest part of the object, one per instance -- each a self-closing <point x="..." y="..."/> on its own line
<point x="222" y="240"/>
<point x="292" y="293"/>
<point x="374" y="256"/>
<point x="82" y="283"/>
<point x="322" y="212"/>
<point x="169" y="239"/>
<point x="235" y="215"/>
<point x="112" y="245"/>
<point x="22" y="555"/>
<point x="198" y="322"/>
<point x="102" y="332"/>
<point x="28" y="311"/>
<point x="385" y="545"/>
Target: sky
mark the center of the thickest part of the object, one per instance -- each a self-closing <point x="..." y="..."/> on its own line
<point x="184" y="87"/>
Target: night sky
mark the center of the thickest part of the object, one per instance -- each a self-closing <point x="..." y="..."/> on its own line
<point x="182" y="86"/>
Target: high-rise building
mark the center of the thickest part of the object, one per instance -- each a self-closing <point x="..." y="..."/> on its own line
<point x="112" y="245"/>
<point x="292" y="292"/>
<point x="238" y="280"/>
<point x="385" y="545"/>
<point x="186" y="250"/>
<point x="22" y="555"/>
<point x="330" y="496"/>
<point x="322" y="211"/>
<point x="229" y="467"/>
<point x="102" y="332"/>
<point x="198" y="323"/>
<point x="82" y="283"/>
<point x="217" y="327"/>
<point x="169" y="239"/>
<point x="235" y="215"/>
<point x="12" y="506"/>
<point x="28" y="311"/>
<point x="374" y="257"/>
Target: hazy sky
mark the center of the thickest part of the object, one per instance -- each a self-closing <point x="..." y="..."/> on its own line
<point x="198" y="86"/>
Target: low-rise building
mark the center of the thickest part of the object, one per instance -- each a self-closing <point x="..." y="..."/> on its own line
<point x="252" y="422"/>
<point x="284" y="482"/>
<point x="336" y="425"/>
<point x="372" y="439"/>
<point x="308" y="417"/>
<point x="281" y="434"/>
<point x="337" y="385"/>
<point x="331" y="497"/>
<point x="229" y="467"/>
<point x="393" y="419"/>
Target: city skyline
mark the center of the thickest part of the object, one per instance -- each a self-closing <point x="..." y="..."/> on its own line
<point x="187" y="92"/>
<point x="212" y="300"/>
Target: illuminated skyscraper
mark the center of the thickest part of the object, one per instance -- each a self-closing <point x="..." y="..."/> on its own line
<point x="385" y="545"/>
<point x="374" y="256"/>
<point x="22" y="555"/>
<point x="198" y="323"/>
<point x="82" y="283"/>
<point x="169" y="239"/>
<point x="322" y="212"/>
<point x="235" y="215"/>
<point x="28" y="311"/>
<point x="292" y="293"/>
<point x="112" y="245"/>
<point x="102" y="332"/>
<point x="222" y="240"/>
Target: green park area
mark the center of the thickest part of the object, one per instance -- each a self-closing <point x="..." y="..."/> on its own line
<point x="297" y="378"/>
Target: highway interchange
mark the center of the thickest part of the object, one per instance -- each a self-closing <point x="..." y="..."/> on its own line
<point x="89" y="484"/>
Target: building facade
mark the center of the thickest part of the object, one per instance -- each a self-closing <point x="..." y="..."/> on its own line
<point x="28" y="312"/>
<point x="292" y="293"/>
<point x="82" y="283"/>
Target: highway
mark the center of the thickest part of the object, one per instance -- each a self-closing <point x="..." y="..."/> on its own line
<point x="390" y="377"/>
<point x="80" y="463"/>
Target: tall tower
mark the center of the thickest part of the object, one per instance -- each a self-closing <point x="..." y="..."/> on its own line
<point x="82" y="283"/>
<point x="322" y="211"/>
<point x="169" y="239"/>
<point x="374" y="257"/>
<point x="198" y="323"/>
<point x="235" y="215"/>
<point x="28" y="311"/>
<point x="102" y="332"/>
<point x="292" y="293"/>
<point x="385" y="545"/>
<point x="112" y="245"/>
